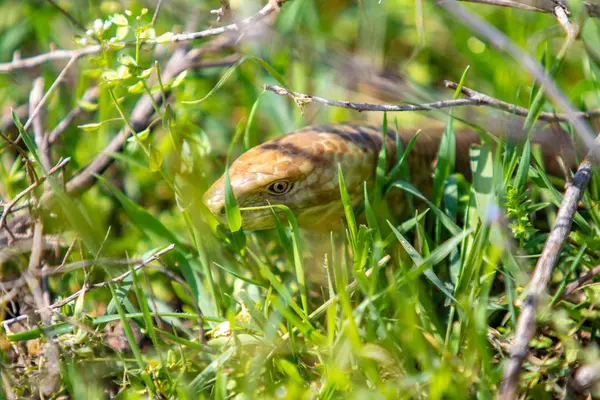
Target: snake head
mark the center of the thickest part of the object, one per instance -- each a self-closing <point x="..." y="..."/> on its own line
<point x="298" y="170"/>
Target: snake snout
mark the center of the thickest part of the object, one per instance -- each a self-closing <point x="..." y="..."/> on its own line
<point x="215" y="200"/>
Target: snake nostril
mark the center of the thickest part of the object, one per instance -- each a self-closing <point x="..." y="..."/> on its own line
<point x="222" y="211"/>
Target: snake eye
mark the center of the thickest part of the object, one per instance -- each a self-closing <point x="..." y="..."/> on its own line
<point x="279" y="188"/>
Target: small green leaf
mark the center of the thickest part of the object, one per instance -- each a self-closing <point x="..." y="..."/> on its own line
<point x="178" y="79"/>
<point x="122" y="32"/>
<point x="91" y="127"/>
<point x="117" y="45"/>
<point x="140" y="136"/>
<point x="127" y="60"/>
<point x="137" y="88"/>
<point x="164" y="38"/>
<point x="523" y="170"/>
<point x="87" y="106"/>
<point x="155" y="159"/>
<point x="119" y="20"/>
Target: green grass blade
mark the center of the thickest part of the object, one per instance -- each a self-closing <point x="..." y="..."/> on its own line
<point x="401" y="168"/>
<point x="420" y="263"/>
<point x="132" y="343"/>
<point x="249" y="140"/>
<point x="232" y="211"/>
<point x="446" y="221"/>
<point x="270" y="70"/>
<point x="348" y="209"/>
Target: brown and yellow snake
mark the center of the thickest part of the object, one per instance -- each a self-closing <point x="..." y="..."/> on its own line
<point x="300" y="170"/>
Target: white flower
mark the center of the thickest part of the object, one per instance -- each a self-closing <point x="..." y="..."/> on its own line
<point x="128" y="13"/>
<point x="89" y="32"/>
<point x="107" y="24"/>
<point x="98" y="24"/>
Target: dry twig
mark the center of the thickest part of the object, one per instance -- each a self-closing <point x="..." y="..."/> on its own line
<point x="222" y="11"/>
<point x="156" y="11"/>
<point x="583" y="380"/>
<point x="74" y="296"/>
<point x="576" y="284"/>
<point x="483" y="99"/>
<point x="63" y="269"/>
<point x="41" y="141"/>
<point x="301" y="99"/>
<point x="543" y="6"/>
<point x="43" y="100"/>
<point x="475" y="99"/>
<point x="68" y="15"/>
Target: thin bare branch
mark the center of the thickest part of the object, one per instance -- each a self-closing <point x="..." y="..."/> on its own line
<point x="526" y="324"/>
<point x="592" y="8"/>
<point x="156" y="11"/>
<point x="54" y="55"/>
<point x="560" y="12"/>
<point x="69" y="16"/>
<point x="41" y="142"/>
<point x="583" y="380"/>
<point x="301" y="99"/>
<point x="484" y="99"/>
<point x="49" y="377"/>
<point x="35" y="262"/>
<point x="223" y="11"/>
<point x="74" y="296"/>
<point x="475" y="99"/>
<point x="66" y="268"/>
<point x="576" y="284"/>
<point x="56" y="82"/>
<point x="21" y="244"/>
<point x="12" y="294"/>
<point x="543" y="6"/>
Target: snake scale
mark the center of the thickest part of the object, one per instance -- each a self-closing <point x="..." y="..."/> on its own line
<point x="300" y="169"/>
